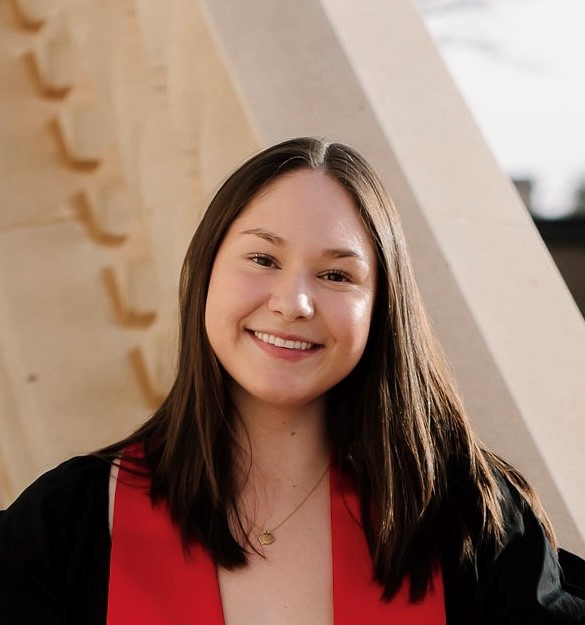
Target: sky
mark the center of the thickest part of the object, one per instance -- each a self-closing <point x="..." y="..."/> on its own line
<point x="520" y="65"/>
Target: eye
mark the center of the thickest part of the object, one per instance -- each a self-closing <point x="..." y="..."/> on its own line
<point x="336" y="275"/>
<point x="264" y="260"/>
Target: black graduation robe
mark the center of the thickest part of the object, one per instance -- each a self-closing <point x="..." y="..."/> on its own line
<point x="55" y="550"/>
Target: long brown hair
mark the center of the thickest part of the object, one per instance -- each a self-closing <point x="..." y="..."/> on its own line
<point x="396" y="422"/>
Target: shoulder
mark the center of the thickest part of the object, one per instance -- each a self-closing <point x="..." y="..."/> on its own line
<point x="515" y="508"/>
<point x="72" y="494"/>
<point x="54" y="545"/>
<point x="522" y="580"/>
<point x="71" y="475"/>
<point x="77" y="479"/>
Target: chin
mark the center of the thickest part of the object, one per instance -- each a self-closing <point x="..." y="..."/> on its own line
<point x="282" y="398"/>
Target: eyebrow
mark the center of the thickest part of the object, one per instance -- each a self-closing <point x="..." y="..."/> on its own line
<point x="280" y="242"/>
<point x="266" y="235"/>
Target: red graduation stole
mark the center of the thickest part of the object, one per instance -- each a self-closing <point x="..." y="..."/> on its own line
<point x="153" y="583"/>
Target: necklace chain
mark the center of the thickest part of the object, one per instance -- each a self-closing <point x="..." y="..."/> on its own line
<point x="267" y="537"/>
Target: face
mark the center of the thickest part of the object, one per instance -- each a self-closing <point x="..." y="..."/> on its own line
<point x="291" y="291"/>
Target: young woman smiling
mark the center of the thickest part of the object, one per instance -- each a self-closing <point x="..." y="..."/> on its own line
<point x="312" y="462"/>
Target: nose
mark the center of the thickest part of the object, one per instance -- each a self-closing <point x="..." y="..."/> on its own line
<point x="291" y="298"/>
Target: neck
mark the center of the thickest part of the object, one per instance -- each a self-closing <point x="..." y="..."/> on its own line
<point x="281" y="456"/>
<point x="281" y="443"/>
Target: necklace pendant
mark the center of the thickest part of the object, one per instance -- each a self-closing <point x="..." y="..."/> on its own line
<point x="266" y="538"/>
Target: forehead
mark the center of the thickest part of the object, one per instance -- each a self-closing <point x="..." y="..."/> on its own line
<point x="307" y="204"/>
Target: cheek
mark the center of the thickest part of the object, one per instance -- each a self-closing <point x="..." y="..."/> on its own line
<point x="365" y="311"/>
<point x="353" y="325"/>
<point x="216" y="304"/>
<point x="231" y="297"/>
<point x="361" y="311"/>
<point x="210" y="326"/>
<point x="362" y="330"/>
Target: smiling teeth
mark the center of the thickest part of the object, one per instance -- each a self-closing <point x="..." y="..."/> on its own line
<point x="275" y="340"/>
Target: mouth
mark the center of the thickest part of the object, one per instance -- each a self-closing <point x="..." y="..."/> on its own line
<point x="286" y="343"/>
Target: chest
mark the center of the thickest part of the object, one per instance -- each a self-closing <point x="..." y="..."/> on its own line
<point x="290" y="581"/>
<point x="317" y="571"/>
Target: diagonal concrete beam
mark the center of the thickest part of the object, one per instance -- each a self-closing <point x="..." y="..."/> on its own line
<point x="368" y="73"/>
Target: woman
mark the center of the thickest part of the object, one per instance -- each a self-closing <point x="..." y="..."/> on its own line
<point x="312" y="463"/>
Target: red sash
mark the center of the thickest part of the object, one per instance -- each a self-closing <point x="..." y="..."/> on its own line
<point x="153" y="583"/>
<point x="356" y="596"/>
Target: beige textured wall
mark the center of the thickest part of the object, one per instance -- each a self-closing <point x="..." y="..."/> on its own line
<point x="118" y="121"/>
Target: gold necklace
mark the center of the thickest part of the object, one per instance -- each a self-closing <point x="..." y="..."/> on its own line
<point x="267" y="537"/>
